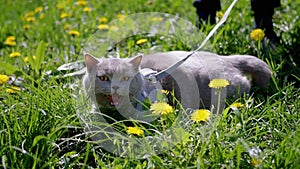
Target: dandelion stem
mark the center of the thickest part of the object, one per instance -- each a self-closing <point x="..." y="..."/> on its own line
<point x="219" y="100"/>
<point x="163" y="125"/>
<point x="258" y="46"/>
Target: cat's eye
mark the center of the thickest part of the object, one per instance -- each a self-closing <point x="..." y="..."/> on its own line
<point x="103" y="78"/>
<point x="125" y="78"/>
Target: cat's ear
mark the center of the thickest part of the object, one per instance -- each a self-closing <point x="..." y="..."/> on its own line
<point x="136" y="61"/>
<point x="90" y="61"/>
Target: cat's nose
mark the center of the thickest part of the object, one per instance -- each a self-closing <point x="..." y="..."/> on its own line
<point x="115" y="88"/>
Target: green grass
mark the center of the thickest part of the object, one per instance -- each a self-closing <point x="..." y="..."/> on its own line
<point x="39" y="126"/>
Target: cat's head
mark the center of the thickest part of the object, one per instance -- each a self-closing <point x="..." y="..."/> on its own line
<point x="118" y="82"/>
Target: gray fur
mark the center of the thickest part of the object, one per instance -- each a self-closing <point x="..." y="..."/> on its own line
<point x="189" y="81"/>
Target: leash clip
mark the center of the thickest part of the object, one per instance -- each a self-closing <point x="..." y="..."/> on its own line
<point x="151" y="78"/>
<point x="149" y="75"/>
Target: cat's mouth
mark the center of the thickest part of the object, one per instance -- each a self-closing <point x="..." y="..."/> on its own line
<point x="114" y="99"/>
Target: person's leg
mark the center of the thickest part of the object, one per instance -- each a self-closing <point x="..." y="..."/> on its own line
<point x="263" y="16"/>
<point x="206" y="11"/>
<point x="204" y="17"/>
<point x="265" y="22"/>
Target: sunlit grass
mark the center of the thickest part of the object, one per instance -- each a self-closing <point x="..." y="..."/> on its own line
<point x="40" y="127"/>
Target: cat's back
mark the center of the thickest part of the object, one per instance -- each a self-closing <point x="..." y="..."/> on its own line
<point x="161" y="60"/>
<point x="191" y="76"/>
<point x="165" y="59"/>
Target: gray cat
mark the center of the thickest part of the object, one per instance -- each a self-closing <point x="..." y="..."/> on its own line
<point x="123" y="84"/>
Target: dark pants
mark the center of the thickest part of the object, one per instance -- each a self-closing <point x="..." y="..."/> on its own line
<point x="205" y="17"/>
<point x="263" y="16"/>
<point x="206" y="10"/>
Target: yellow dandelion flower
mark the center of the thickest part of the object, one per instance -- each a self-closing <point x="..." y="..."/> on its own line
<point x="38" y="9"/>
<point x="148" y="3"/>
<point x="26" y="59"/>
<point x="66" y="26"/>
<point x="157" y="19"/>
<point x="218" y="83"/>
<point x="113" y="28"/>
<point x="103" y="20"/>
<point x="13" y="89"/>
<point x="26" y="27"/>
<point x="103" y="27"/>
<point x="42" y="16"/>
<point x="165" y="91"/>
<point x="255" y="162"/>
<point x="67" y="1"/>
<point x="14" y="54"/>
<point x="161" y="108"/>
<point x="200" y="115"/>
<point x="10" y="41"/>
<point x="81" y="3"/>
<point x="257" y="35"/>
<point x="64" y="15"/>
<point x="141" y="41"/>
<point x="11" y="38"/>
<point x="3" y="78"/>
<point x="121" y="17"/>
<point x="220" y="14"/>
<point x="29" y="14"/>
<point x="60" y="6"/>
<point x="30" y="19"/>
<point x="236" y="105"/>
<point x="87" y="9"/>
<point x="135" y="131"/>
<point x="74" y="33"/>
